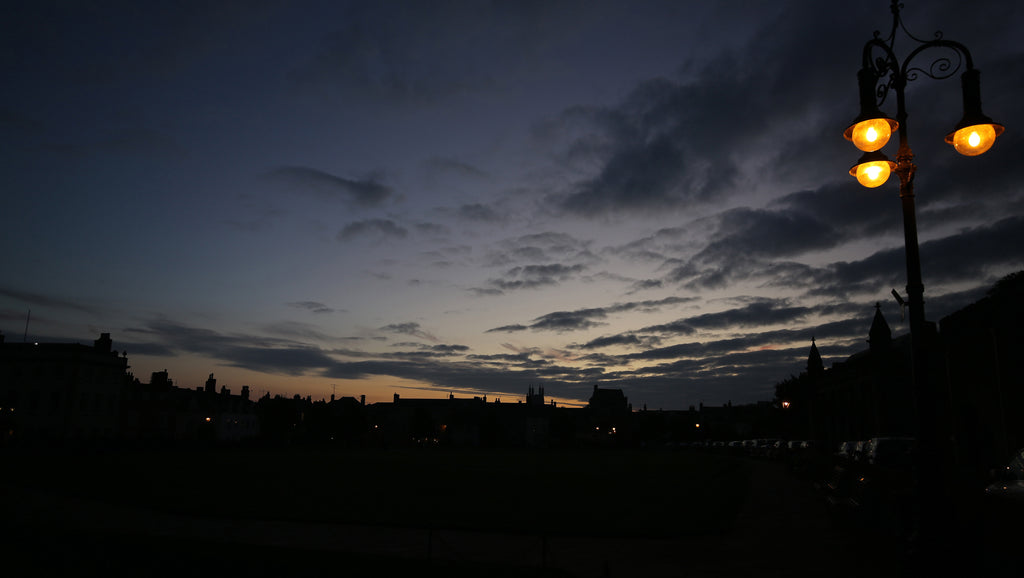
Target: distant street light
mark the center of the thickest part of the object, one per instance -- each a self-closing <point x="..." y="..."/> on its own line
<point x="880" y="73"/>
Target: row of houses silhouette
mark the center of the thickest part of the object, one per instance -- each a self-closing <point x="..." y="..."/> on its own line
<point x="69" y="393"/>
<point x="72" y="393"/>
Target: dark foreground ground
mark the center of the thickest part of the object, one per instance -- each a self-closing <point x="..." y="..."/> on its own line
<point x="755" y="517"/>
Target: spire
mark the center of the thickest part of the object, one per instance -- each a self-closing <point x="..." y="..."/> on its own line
<point x="814" y="364"/>
<point x="880" y="336"/>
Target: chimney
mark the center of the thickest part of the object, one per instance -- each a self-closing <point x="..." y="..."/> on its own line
<point x="245" y="392"/>
<point x="104" y="343"/>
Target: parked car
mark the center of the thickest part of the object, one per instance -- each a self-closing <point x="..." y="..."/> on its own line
<point x="890" y="451"/>
<point x="1008" y="482"/>
<point x="1003" y="507"/>
<point x="860" y="450"/>
<point x="846" y="450"/>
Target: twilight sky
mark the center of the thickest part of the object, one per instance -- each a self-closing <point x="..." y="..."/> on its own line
<point x="476" y="197"/>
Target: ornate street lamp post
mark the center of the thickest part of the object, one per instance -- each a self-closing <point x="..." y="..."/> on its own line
<point x="881" y="74"/>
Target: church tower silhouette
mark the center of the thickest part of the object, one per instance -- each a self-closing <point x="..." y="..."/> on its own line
<point x="880" y="336"/>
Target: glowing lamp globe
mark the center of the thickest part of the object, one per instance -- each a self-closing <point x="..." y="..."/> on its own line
<point x="873" y="175"/>
<point x="974" y="140"/>
<point x="872" y="128"/>
<point x="975" y="133"/>
<point x="873" y="169"/>
<point x="871" y="134"/>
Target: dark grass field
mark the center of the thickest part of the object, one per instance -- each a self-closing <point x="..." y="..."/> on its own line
<point x="540" y="492"/>
<point x="423" y="512"/>
<point x="119" y="554"/>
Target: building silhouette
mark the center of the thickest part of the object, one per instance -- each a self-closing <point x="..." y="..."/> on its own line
<point x="61" y="392"/>
<point x="867" y="395"/>
<point x="975" y="373"/>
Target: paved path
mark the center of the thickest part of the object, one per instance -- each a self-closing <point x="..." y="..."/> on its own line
<point x="782" y="530"/>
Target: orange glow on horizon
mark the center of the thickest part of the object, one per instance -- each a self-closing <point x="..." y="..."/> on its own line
<point x="192" y="372"/>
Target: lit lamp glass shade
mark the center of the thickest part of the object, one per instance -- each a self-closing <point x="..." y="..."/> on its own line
<point x="871" y="134"/>
<point x="974" y="140"/>
<point x="975" y="133"/>
<point x="872" y="169"/>
<point x="872" y="128"/>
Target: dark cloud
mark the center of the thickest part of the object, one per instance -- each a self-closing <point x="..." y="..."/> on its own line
<point x="966" y="257"/>
<point x="740" y="116"/>
<point x="490" y="373"/>
<point x="751" y="315"/>
<point x="762" y="233"/>
<point x="508" y="329"/>
<point x="759" y="313"/>
<point x="627" y="339"/>
<point x="522" y="358"/>
<point x="646" y="284"/>
<point x="481" y="213"/>
<point x="486" y="291"/>
<point x="748" y="244"/>
<point x="449" y="349"/>
<point x="663" y="246"/>
<point x="540" y="247"/>
<point x="43" y="300"/>
<point x="710" y="351"/>
<point x="847" y="209"/>
<point x="282" y="360"/>
<point x="974" y="252"/>
<point x="582" y="319"/>
<point x="421" y="352"/>
<point x="311" y="306"/>
<point x="412" y="329"/>
<point x="252" y="352"/>
<point x="379" y="228"/>
<point x="569" y="320"/>
<point x="535" y="276"/>
<point x="638" y="177"/>
<point x="149" y="348"/>
<point x="364" y="193"/>
<point x="296" y="330"/>
<point x="660" y="149"/>
<point x="538" y="250"/>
